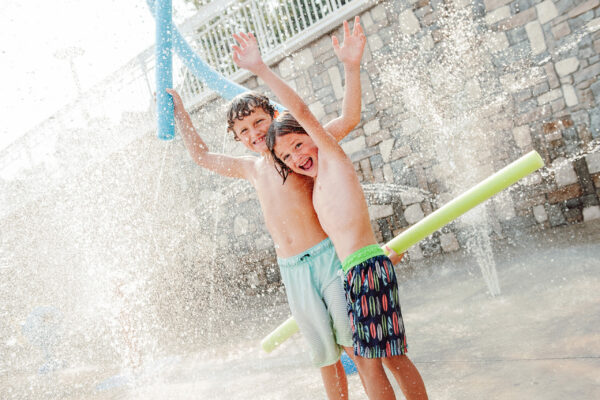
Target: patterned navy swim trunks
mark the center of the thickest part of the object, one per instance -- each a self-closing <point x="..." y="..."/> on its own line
<point x="373" y="306"/>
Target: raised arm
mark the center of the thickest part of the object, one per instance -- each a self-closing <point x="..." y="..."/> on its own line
<point x="233" y="167"/>
<point x="247" y="55"/>
<point x="350" y="54"/>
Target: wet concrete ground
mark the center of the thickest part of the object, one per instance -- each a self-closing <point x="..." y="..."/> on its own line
<point x="539" y="339"/>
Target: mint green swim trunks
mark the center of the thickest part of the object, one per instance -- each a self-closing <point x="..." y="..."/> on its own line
<point x="315" y="293"/>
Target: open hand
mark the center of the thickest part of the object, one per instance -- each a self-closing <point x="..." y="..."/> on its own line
<point x="351" y="50"/>
<point x="247" y="55"/>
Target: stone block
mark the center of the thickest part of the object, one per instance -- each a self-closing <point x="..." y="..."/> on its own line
<point x="377" y="138"/>
<point x="549" y="96"/>
<point x="427" y="42"/>
<point x="595" y="88"/>
<point x="565" y="193"/>
<point x="497" y="15"/>
<point x="375" y="42"/>
<point x="367" y="22"/>
<point x="522" y="136"/>
<point x="378" y="13"/>
<point x="303" y="59"/>
<point x="551" y="75"/>
<point x="567" y="66"/>
<point x="561" y="30"/>
<point x="555" y="215"/>
<point x="462" y="3"/>
<point x="415" y="253"/>
<point x="354" y="145"/>
<point x="409" y="24"/>
<point x="380" y="211"/>
<point x="362" y="154"/>
<point x="336" y="82"/>
<point x="410" y="126"/>
<point x="411" y="196"/>
<point x="540" y="89"/>
<point x="539" y="212"/>
<point x="491" y="5"/>
<point x="385" y="149"/>
<point x="413" y="213"/>
<point x="546" y="11"/>
<point x="388" y="173"/>
<point x="317" y="109"/>
<point x="368" y="95"/>
<point x="400" y="152"/>
<point x="589" y="72"/>
<point x="593" y="162"/>
<point x="593" y="25"/>
<point x="570" y="95"/>
<point x="448" y="242"/>
<point x="240" y="226"/>
<point x="286" y="67"/>
<point x="365" y="166"/>
<point x="583" y="8"/>
<point x="496" y="41"/>
<point x="595" y="122"/>
<point x="323" y="47"/>
<point x="519" y="19"/>
<point x="371" y="127"/>
<point x="504" y="206"/>
<point x="564" y="173"/>
<point x="536" y="37"/>
<point x="596" y="179"/>
<point x="591" y="213"/>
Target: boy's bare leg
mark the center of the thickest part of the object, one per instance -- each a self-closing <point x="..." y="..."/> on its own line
<point x="335" y="381"/>
<point x="407" y="376"/>
<point x="376" y="382"/>
<point x="350" y="352"/>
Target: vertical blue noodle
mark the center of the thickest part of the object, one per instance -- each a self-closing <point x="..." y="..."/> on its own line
<point x="164" y="70"/>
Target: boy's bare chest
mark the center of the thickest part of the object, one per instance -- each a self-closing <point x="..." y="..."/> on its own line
<point x="276" y="195"/>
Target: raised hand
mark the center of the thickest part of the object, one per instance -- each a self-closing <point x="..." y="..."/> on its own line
<point x="351" y="50"/>
<point x="247" y="55"/>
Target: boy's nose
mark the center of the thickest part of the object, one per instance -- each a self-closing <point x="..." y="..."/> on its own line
<point x="255" y="133"/>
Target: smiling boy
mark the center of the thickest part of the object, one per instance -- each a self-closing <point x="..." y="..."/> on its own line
<point x="307" y="260"/>
<point x="303" y="146"/>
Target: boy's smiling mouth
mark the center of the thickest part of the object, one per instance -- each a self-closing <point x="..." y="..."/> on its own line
<point x="306" y="165"/>
<point x="259" y="140"/>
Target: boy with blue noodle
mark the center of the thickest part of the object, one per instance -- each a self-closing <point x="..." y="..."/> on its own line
<point x="306" y="257"/>
<point x="303" y="146"/>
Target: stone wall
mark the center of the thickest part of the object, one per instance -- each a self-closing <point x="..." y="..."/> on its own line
<point x="451" y="90"/>
<point x="526" y="71"/>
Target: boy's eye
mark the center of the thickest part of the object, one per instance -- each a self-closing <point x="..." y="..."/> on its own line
<point x="298" y="145"/>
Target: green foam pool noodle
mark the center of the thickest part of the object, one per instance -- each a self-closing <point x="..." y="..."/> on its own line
<point x="499" y="181"/>
<point x="279" y="335"/>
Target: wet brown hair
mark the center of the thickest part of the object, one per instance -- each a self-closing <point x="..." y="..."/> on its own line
<point x="283" y="125"/>
<point x="243" y="105"/>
